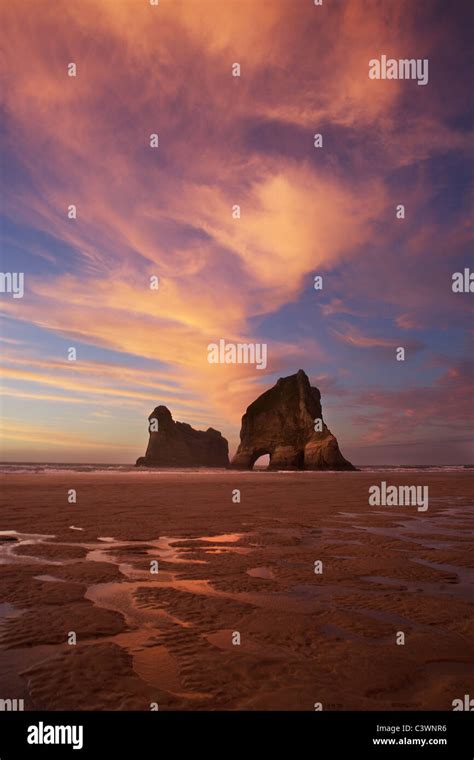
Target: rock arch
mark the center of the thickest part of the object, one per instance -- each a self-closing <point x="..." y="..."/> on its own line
<point x="281" y="422"/>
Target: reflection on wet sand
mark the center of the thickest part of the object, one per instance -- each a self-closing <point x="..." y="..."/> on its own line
<point x="177" y="621"/>
<point x="152" y="660"/>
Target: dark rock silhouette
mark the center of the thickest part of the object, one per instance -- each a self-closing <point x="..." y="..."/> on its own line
<point x="281" y="423"/>
<point x="177" y="444"/>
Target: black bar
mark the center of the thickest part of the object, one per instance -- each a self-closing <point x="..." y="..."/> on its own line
<point x="314" y="735"/>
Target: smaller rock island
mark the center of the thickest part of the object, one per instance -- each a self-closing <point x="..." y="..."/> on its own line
<point x="177" y="444"/>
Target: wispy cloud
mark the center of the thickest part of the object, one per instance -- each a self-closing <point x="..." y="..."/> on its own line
<point x="223" y="141"/>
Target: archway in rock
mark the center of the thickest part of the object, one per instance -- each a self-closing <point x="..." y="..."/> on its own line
<point x="261" y="461"/>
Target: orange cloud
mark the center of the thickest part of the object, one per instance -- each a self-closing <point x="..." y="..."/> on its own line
<point x="168" y="212"/>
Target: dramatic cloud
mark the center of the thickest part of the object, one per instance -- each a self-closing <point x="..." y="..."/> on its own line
<point x="224" y="141"/>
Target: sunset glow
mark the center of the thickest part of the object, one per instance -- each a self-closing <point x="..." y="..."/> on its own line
<point x="167" y="212"/>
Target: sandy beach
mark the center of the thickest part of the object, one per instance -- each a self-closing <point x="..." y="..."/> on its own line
<point x="225" y="568"/>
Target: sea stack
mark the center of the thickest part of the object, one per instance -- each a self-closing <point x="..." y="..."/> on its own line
<point x="177" y="444"/>
<point x="281" y="422"/>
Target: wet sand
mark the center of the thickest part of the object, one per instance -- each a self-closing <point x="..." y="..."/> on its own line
<point x="226" y="568"/>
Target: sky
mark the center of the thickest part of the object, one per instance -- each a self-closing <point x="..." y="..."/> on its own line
<point x="167" y="212"/>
